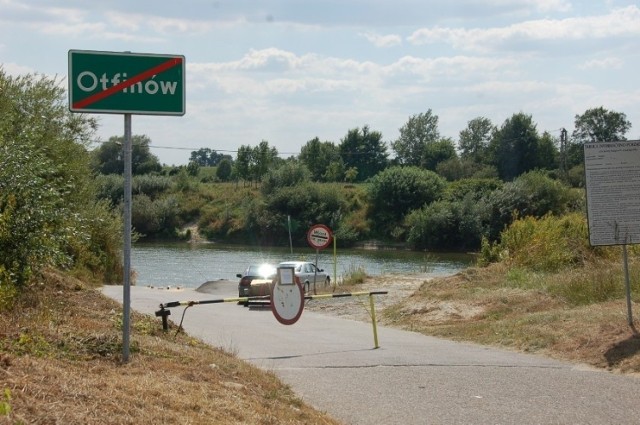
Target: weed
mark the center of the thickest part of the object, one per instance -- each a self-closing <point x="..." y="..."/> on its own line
<point x="354" y="275"/>
<point x="5" y="403"/>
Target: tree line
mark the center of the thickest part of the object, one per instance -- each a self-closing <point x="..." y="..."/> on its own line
<point x="431" y="194"/>
<point x="483" y="149"/>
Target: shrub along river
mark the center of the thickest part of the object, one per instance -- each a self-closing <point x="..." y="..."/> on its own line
<point x="190" y="265"/>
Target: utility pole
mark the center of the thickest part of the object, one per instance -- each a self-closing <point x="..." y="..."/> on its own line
<point x="563" y="151"/>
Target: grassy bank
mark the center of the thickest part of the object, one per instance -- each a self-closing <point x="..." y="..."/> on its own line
<point x="60" y="362"/>
<point x="577" y="314"/>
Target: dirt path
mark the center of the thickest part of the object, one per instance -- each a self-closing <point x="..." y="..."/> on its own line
<point x="399" y="287"/>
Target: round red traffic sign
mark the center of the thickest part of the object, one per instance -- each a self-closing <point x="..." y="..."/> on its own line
<point x="319" y="236"/>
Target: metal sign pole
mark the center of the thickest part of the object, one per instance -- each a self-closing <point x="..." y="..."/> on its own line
<point x="315" y="273"/>
<point x="627" y="284"/>
<point x="126" y="285"/>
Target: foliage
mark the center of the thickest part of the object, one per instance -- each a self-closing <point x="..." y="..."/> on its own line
<point x="416" y="134"/>
<point x="474" y="140"/>
<point x="548" y="244"/>
<point x="108" y="158"/>
<point x="154" y="218"/>
<point x="110" y="187"/>
<point x="476" y="188"/>
<point x="397" y="190"/>
<point x="438" y="152"/>
<point x="514" y="147"/>
<point x="600" y="125"/>
<point x="364" y="151"/>
<point x="48" y="212"/>
<point x="354" y="275"/>
<point x="307" y="204"/>
<point x="224" y="170"/>
<point x="253" y="163"/>
<point x="318" y="157"/>
<point x="446" y="225"/>
<point x="456" y="169"/>
<point x="532" y="194"/>
<point x="206" y="157"/>
<point x="291" y="173"/>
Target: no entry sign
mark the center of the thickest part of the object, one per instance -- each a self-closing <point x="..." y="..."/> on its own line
<point x="126" y="83"/>
<point x="319" y="236"/>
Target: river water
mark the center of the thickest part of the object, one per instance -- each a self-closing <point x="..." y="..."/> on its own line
<point x="189" y="265"/>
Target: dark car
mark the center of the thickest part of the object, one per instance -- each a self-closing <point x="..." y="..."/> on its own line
<point x="256" y="280"/>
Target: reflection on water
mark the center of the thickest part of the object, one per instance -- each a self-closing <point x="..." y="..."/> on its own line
<point x="189" y="265"/>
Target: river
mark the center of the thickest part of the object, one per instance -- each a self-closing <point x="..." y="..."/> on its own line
<point x="189" y="265"/>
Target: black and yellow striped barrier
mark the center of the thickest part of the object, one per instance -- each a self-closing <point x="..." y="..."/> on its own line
<point x="164" y="313"/>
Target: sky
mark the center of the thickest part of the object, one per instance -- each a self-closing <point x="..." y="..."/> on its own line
<point x="287" y="71"/>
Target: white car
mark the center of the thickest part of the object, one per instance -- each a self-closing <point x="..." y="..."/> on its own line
<point x="306" y="271"/>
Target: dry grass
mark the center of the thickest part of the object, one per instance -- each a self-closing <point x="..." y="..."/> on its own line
<point x="60" y="363"/>
<point x="527" y="312"/>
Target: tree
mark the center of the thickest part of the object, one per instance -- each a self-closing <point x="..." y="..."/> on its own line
<point x="109" y="158"/>
<point x="397" y="190"/>
<point x="437" y="152"/>
<point x="253" y="163"/>
<point x="243" y="162"/>
<point x="365" y="151"/>
<point x="317" y="156"/>
<point x="223" y="172"/>
<point x="417" y="133"/>
<point x="49" y="215"/>
<point x="548" y="153"/>
<point x="292" y="173"/>
<point x="474" y="140"/>
<point x="600" y="125"/>
<point x="262" y="159"/>
<point x="205" y="157"/>
<point x="514" y="147"/>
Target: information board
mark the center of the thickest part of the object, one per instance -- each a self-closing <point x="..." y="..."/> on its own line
<point x="612" y="176"/>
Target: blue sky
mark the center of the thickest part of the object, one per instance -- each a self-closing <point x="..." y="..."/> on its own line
<point x="286" y="71"/>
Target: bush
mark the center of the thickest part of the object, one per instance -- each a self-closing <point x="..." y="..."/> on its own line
<point x="397" y="190"/>
<point x="477" y="188"/>
<point x="290" y="174"/>
<point x="48" y="210"/>
<point x="110" y="187"/>
<point x="154" y="218"/>
<point x="532" y="194"/>
<point x="150" y="185"/>
<point x="549" y="243"/>
<point x="446" y="225"/>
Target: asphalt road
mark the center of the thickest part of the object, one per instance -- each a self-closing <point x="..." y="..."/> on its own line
<point x="410" y="379"/>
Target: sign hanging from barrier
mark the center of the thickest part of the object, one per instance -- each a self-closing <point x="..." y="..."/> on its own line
<point x="287" y="297"/>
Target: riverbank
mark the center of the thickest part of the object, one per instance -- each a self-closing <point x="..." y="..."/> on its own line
<point x="60" y="363"/>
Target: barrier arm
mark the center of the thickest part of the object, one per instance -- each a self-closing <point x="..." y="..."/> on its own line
<point x="164" y="312"/>
<point x="372" y="312"/>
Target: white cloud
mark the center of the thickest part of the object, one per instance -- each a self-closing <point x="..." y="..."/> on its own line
<point x="388" y="40"/>
<point x="15" y="70"/>
<point x="606" y="63"/>
<point x="159" y="24"/>
<point x="620" y="22"/>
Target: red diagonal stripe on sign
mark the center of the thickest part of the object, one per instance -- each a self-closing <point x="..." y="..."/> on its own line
<point x="131" y="81"/>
